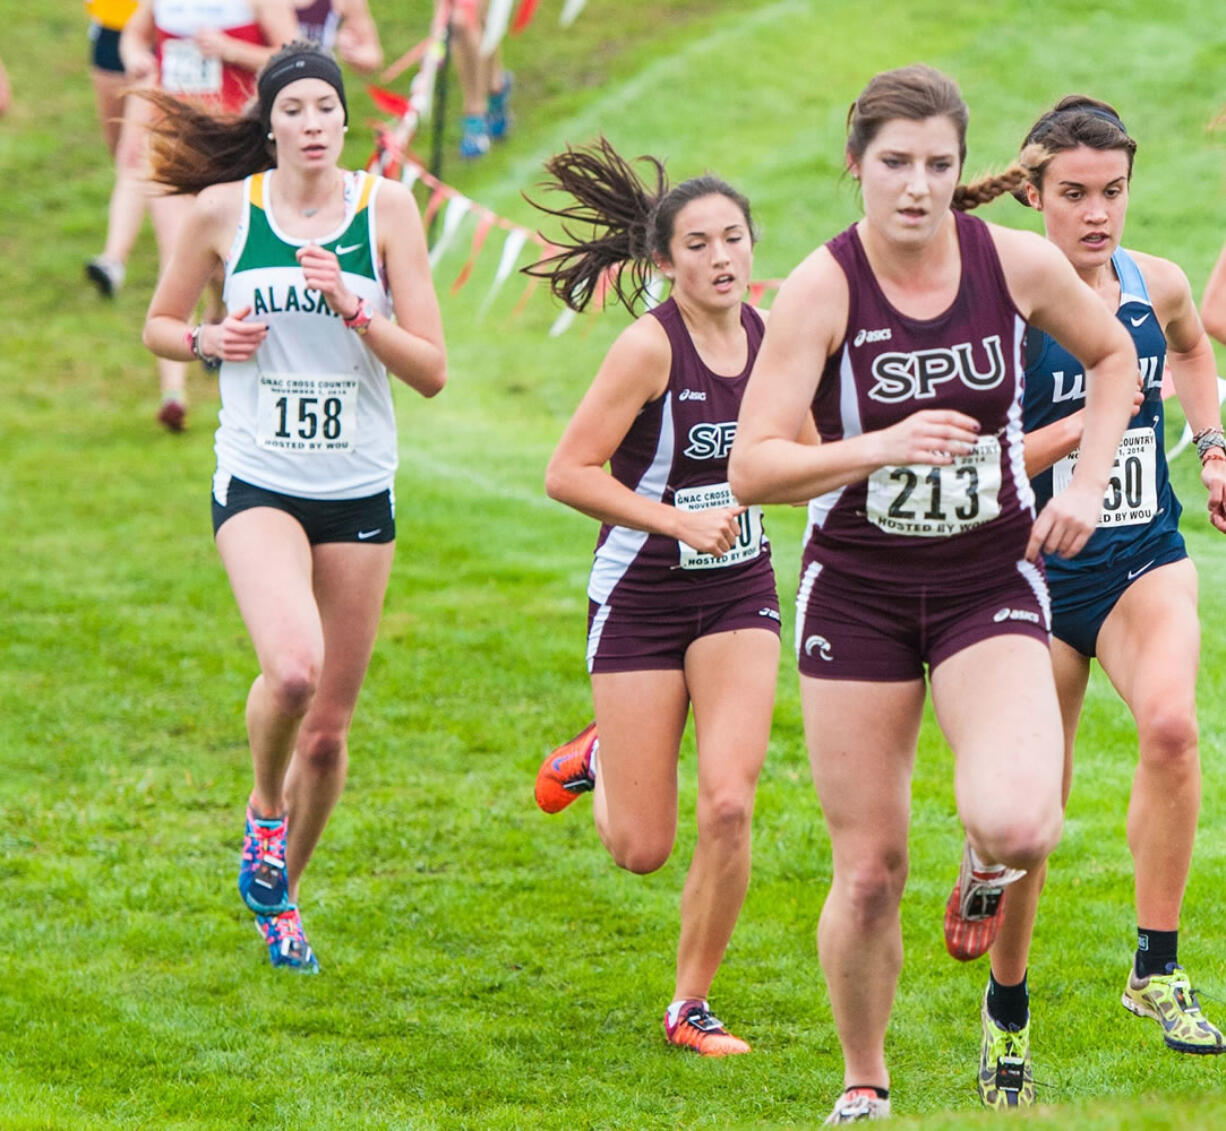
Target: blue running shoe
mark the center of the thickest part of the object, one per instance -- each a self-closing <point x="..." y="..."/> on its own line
<point x="262" y="879"/>
<point x="474" y="139"/>
<point x="498" y="110"/>
<point x="287" y="942"/>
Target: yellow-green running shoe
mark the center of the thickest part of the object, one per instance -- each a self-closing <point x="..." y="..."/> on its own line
<point x="1005" y="1079"/>
<point x="1170" y="1000"/>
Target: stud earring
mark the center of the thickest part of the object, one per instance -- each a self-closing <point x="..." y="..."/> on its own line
<point x="344" y="129"/>
<point x="269" y="135"/>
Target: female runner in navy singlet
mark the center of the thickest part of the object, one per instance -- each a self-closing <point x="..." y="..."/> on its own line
<point x="327" y="287"/>
<point x="1129" y="598"/>
<point x="902" y="338"/>
<point x="682" y="603"/>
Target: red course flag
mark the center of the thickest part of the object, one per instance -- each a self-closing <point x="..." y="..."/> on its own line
<point x="527" y="9"/>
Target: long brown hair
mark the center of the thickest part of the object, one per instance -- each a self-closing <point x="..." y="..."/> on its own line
<point x="628" y="222"/>
<point x="193" y="148"/>
<point x="914" y="93"/>
<point x="1074" y="121"/>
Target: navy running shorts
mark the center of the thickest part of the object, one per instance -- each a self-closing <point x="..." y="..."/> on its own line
<point x="104" y="48"/>
<point x="1078" y="612"/>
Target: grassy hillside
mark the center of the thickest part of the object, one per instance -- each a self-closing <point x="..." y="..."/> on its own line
<point x="485" y="966"/>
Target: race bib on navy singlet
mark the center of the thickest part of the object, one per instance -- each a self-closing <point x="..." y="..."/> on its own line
<point x="748" y="544"/>
<point x="1131" y="498"/>
<point x="312" y="415"/>
<point x="923" y="501"/>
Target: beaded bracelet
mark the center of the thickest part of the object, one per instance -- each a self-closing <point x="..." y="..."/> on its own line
<point x="1208" y="440"/>
<point x="193" y="340"/>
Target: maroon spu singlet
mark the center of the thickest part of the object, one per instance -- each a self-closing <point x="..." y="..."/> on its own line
<point x="318" y="23"/>
<point x="922" y="527"/>
<point x="676" y="452"/>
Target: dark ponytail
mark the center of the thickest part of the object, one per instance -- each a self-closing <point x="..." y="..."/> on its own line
<point x="625" y="222"/>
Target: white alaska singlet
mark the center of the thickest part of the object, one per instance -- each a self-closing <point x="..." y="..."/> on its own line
<point x="310" y="414"/>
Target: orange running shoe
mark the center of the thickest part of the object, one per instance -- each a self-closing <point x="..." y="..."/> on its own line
<point x="976" y="906"/>
<point x="698" y="1029"/>
<point x="567" y="772"/>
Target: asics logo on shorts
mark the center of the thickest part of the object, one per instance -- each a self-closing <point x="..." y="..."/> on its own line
<point x="821" y="644"/>
<point x="1015" y="614"/>
<point x="769" y="612"/>
<point x="871" y="336"/>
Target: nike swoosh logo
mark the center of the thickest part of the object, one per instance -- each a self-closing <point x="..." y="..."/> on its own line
<point x="1135" y="573"/>
<point x="1138" y="321"/>
<point x="342" y="250"/>
<point x="363" y="535"/>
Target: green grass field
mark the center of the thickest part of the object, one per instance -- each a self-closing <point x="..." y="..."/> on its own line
<point x="485" y="966"/>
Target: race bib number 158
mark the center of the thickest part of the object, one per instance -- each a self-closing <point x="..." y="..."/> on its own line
<point x="310" y="415"/>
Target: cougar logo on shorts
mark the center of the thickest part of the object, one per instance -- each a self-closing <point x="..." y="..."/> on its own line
<point x="903" y="376"/>
<point x="821" y="644"/>
<point x="1015" y="614"/>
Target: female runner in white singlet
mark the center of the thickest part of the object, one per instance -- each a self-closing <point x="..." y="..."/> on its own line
<point x="317" y="261"/>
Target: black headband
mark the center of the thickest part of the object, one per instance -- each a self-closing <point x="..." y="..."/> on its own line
<point x="1099" y="112"/>
<point x="1048" y="124"/>
<point x="308" y="65"/>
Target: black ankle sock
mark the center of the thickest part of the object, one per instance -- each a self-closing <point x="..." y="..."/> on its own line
<point x="882" y="1093"/>
<point x="1155" y="951"/>
<point x="1009" y="1006"/>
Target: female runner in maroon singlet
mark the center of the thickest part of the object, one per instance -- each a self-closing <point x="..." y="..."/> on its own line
<point x="683" y="608"/>
<point x="902" y="338"/>
<point x="344" y="28"/>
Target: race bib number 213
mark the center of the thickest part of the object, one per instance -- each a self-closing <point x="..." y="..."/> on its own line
<point x="926" y="501"/>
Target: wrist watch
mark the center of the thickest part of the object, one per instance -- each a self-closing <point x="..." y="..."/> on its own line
<point x="362" y="317"/>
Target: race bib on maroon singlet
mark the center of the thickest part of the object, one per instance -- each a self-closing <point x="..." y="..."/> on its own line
<point x="919" y="500"/>
<point x="748" y="544"/>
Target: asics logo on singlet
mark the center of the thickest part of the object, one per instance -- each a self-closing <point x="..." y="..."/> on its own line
<point x="1007" y="613"/>
<point x="871" y="336"/>
<point x="904" y="376"/>
<point x="691" y="395"/>
<point x="821" y="645"/>
<point x="711" y="441"/>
